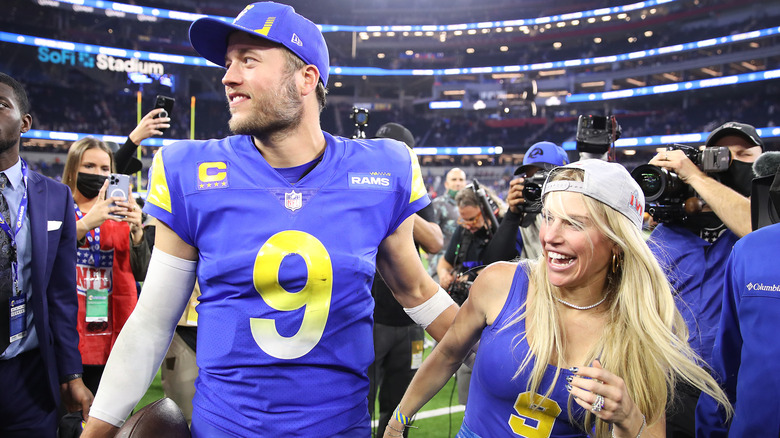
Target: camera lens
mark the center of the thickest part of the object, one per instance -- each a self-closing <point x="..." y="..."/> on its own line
<point x="532" y="192"/>
<point x="657" y="183"/>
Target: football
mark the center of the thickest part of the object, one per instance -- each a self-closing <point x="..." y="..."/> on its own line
<point x="158" y="419"/>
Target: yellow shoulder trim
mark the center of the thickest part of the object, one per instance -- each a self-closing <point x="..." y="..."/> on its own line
<point x="158" y="193"/>
<point x="418" y="185"/>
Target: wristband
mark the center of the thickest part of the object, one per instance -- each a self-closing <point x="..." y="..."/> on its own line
<point x="401" y="418"/>
<point x="69" y="377"/>
<point x="427" y="312"/>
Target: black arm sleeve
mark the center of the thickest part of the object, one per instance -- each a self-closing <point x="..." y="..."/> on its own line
<point x="502" y="245"/>
<point x="125" y="162"/>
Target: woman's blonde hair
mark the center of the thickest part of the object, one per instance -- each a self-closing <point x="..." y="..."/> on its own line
<point x="645" y="337"/>
<point x="75" y="153"/>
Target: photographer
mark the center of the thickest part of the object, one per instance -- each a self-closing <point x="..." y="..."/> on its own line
<point x="465" y="252"/>
<point x="518" y="232"/>
<point x="694" y="251"/>
<point x="445" y="214"/>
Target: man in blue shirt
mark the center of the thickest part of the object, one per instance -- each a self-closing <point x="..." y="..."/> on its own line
<point x="39" y="356"/>
<point x="694" y="252"/>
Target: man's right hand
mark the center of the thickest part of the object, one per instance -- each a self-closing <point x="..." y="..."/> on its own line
<point x="679" y="163"/>
<point x="515" y="196"/>
<point x="98" y="429"/>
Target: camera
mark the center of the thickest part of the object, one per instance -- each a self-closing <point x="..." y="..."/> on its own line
<point x="487" y="206"/>
<point x="360" y="117"/>
<point x="595" y="134"/>
<point x="460" y="287"/>
<point x="667" y="197"/>
<point x="532" y="192"/>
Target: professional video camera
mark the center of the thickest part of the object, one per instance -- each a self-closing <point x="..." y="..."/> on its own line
<point x="460" y="286"/>
<point x="488" y="207"/>
<point x="667" y="197"/>
<point x="360" y="117"/>
<point x="595" y="134"/>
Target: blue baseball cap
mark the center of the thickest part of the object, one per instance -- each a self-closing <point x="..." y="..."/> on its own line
<point x="271" y="21"/>
<point x="545" y="155"/>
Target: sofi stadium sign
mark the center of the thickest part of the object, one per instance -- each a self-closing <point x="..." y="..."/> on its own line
<point x="100" y="61"/>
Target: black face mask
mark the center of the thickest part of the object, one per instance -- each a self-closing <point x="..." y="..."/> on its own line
<point x="89" y="184"/>
<point x="739" y="177"/>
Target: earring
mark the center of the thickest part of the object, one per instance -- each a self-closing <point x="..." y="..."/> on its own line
<point x="615" y="263"/>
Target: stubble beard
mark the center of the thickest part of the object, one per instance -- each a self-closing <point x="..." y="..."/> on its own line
<point x="6" y="144"/>
<point x="275" y="112"/>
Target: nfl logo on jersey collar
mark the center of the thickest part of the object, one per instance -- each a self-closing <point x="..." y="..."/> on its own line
<point x="293" y="200"/>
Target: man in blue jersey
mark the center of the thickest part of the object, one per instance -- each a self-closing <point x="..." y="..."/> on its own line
<point x="285" y="226"/>
<point x="694" y="252"/>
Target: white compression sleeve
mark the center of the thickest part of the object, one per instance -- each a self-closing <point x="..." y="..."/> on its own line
<point x="425" y="313"/>
<point x="144" y="340"/>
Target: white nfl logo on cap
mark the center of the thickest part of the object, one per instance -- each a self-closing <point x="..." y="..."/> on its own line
<point x="297" y="40"/>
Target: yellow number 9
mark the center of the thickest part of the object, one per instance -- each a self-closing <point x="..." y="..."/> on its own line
<point x="544" y="411"/>
<point x="315" y="295"/>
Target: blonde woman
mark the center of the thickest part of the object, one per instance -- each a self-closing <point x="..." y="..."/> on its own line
<point x="584" y="341"/>
<point x="112" y="254"/>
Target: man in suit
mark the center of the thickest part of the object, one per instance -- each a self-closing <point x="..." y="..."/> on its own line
<point x="39" y="356"/>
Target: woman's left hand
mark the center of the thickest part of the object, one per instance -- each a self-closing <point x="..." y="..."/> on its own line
<point x="605" y="394"/>
<point x="132" y="215"/>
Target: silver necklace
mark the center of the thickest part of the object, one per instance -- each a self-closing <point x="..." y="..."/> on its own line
<point x="566" y="303"/>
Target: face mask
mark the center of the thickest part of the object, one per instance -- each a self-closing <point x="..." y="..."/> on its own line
<point x="739" y="177"/>
<point x="89" y="184"/>
<point x="451" y="193"/>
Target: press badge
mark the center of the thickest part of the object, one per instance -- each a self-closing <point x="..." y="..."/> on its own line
<point x="417" y="354"/>
<point x="97" y="305"/>
<point x="18" y="321"/>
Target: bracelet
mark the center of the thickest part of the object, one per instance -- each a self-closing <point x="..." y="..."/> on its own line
<point x="400" y="432"/>
<point x="641" y="429"/>
<point x="69" y="377"/>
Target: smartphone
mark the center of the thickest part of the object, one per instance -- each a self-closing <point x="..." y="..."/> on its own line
<point x="119" y="186"/>
<point x="166" y="103"/>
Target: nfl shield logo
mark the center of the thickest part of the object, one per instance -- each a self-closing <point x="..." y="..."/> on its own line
<point x="293" y="201"/>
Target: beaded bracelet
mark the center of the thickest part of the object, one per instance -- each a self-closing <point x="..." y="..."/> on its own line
<point x="641" y="429"/>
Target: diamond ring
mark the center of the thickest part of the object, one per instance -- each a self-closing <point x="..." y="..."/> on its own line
<point x="598" y="404"/>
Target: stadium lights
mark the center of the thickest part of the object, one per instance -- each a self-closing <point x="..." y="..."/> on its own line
<point x="675" y="87"/>
<point x="545" y="69"/>
<point x="124" y="8"/>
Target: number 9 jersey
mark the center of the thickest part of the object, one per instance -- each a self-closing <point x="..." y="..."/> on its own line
<point x="285" y="271"/>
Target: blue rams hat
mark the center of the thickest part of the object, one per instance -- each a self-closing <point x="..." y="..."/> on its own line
<point x="544" y="154"/>
<point x="271" y="21"/>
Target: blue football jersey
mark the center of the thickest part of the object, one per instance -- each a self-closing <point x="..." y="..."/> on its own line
<point x="500" y="404"/>
<point x="285" y="271"/>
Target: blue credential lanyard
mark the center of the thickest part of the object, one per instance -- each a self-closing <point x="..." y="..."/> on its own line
<point x="93" y="238"/>
<point x="19" y="222"/>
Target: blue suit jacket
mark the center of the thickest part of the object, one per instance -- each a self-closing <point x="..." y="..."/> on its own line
<point x="54" y="302"/>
